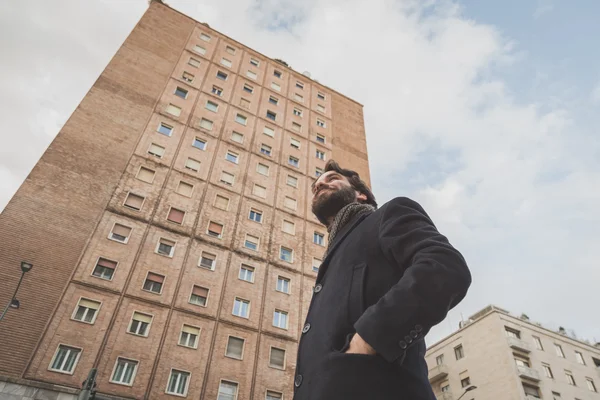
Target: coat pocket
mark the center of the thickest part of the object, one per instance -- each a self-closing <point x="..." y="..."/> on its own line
<point x="356" y="301"/>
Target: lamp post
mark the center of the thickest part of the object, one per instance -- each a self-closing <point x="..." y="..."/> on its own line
<point x="14" y="303"/>
<point x="468" y="389"/>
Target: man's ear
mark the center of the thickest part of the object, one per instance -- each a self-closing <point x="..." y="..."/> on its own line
<point x="361" y="197"/>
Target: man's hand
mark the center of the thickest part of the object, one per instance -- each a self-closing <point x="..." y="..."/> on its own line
<point x="359" y="346"/>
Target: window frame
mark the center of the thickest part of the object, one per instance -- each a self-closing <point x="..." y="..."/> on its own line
<point x="161" y="286"/>
<point x="171" y="253"/>
<point x="214" y="260"/>
<point x="220" y="236"/>
<point x="251" y="271"/>
<point x="133" y="375"/>
<point x="131" y="319"/>
<point x="237" y="388"/>
<point x="192" y="294"/>
<point x="109" y="237"/>
<point x="187" y="383"/>
<point x="96" y="265"/>
<point x="97" y="311"/>
<point x="241" y="358"/>
<point x="131" y="208"/>
<point x="283" y="279"/>
<point x="257" y="242"/>
<point x="196" y="342"/>
<point x="281" y="313"/>
<point x="53" y="359"/>
<point x="291" y="254"/>
<point x="242" y="300"/>
<point x="282" y="368"/>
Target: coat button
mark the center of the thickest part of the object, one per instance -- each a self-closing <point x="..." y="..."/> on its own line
<point x="318" y="288"/>
<point x="408" y="339"/>
<point x="403" y="345"/>
<point x="298" y="380"/>
<point x="418" y="328"/>
<point x="306" y="328"/>
<point x="413" y="334"/>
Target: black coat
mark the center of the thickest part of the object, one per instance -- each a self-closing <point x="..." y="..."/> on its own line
<point x="390" y="276"/>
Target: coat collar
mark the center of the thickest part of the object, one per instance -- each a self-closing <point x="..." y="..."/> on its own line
<point x="338" y="240"/>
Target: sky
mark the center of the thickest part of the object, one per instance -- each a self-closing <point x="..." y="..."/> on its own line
<point x="484" y="112"/>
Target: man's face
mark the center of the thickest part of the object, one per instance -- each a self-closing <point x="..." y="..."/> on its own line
<point x="331" y="192"/>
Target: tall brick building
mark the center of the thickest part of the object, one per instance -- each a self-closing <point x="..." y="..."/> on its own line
<point x="169" y="223"/>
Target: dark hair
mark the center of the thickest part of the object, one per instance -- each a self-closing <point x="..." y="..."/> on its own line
<point x="354" y="180"/>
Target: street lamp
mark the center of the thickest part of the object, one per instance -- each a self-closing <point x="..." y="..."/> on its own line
<point x="468" y="389"/>
<point x="14" y="303"/>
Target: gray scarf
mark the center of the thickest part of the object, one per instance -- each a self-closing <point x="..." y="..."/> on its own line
<point x="347" y="213"/>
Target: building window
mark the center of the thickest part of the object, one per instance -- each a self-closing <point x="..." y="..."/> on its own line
<point x="320" y="96"/>
<point x="241" y="119"/>
<point x="290" y="203"/>
<point x="251" y="242"/>
<point x="283" y="285"/>
<point x="273" y="100"/>
<point x="286" y="254"/>
<point x="199" y="49"/>
<point x="296" y="126"/>
<point x="178" y="383"/>
<point x="65" y="359"/>
<point x="221" y="202"/>
<point x="538" y="343"/>
<point x="232" y="157"/>
<point x="173" y="110"/>
<point x="579" y="357"/>
<point x="199" y="296"/>
<point x="186" y="76"/>
<point x="140" y="324"/>
<point x="237" y="137"/>
<point x="241" y="308"/>
<point x="104" y="269"/>
<point x="459" y="352"/>
<point x="217" y="90"/>
<point x="134" y="201"/>
<point x="199" y="143"/>
<point x="205" y="37"/>
<point x="439" y="360"/>
<point x="298" y="98"/>
<point x="320" y="155"/>
<point x="316" y="263"/>
<point x="185" y="189"/>
<point x="320" y="123"/>
<point x="295" y="143"/>
<point x="277" y="358"/>
<point x="570" y="378"/>
<point x="262" y="169"/>
<point x="211" y="106"/>
<point x="445" y="388"/>
<point x="244" y="103"/>
<point x="271" y="115"/>
<point x="154" y="282"/>
<point x="176" y="216"/>
<point x="222" y="75"/>
<point x="522" y="361"/>
<point x="251" y="75"/>
<point x="548" y="371"/>
<point x="206" y="124"/>
<point x="230" y="50"/>
<point x="265" y="149"/>
<point x="215" y="229"/>
<point x="120" y="233"/>
<point x="181" y="92"/>
<point x="255" y="215"/>
<point x="259" y="191"/>
<point x="254" y="62"/>
<point x="556" y="396"/>
<point x="193" y="165"/>
<point x="591" y="385"/>
<point x="124" y="372"/>
<point x="318" y="172"/>
<point x="297" y="112"/>
<point x="319" y="238"/>
<point x="86" y="311"/>
<point x="293" y="161"/>
<point x="320" y="109"/>
<point x="465" y="382"/>
<point x="248" y="88"/>
<point x="165" y="247"/>
<point x="277" y="74"/>
<point x="189" y="336"/>
<point x="194" y="62"/>
<point x="235" y="348"/>
<point x="559" y="350"/>
<point x="227" y="391"/>
<point x="280" y="319"/>
<point x="512" y="333"/>
<point x="246" y="273"/>
<point x="269" y="131"/>
<point x="288" y="227"/>
<point x="275" y="86"/>
<point x="145" y="174"/>
<point x="292" y="181"/>
<point x="300" y="85"/>
<point x="271" y="395"/>
<point x="320" y="138"/>
<point x="165" y="129"/>
<point x="227" y="178"/>
<point x="207" y="260"/>
<point x="227" y="63"/>
<point x="531" y="390"/>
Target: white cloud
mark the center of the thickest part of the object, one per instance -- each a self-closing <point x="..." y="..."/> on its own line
<point x="513" y="184"/>
<point x="543" y="7"/>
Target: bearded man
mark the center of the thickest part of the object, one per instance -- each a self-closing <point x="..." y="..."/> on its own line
<point x="386" y="278"/>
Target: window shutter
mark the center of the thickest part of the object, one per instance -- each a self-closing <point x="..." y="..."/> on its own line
<point x="235" y="346"/>
<point x="121" y="230"/>
<point x="269" y="131"/>
<point x="89" y="304"/>
<point x="142" y="317"/>
<point x="221" y="202"/>
<point x="134" y="201"/>
<point x="155" y="277"/>
<point x="146" y="175"/>
<point x="200" y="291"/>
<point x="185" y="189"/>
<point x="107" y="263"/>
<point x="289" y="227"/>
<point x="259" y="191"/>
<point x="214" y="227"/>
<point x="277" y="357"/>
<point x="192" y="164"/>
<point x="174" y="110"/>
<point x="191" y="329"/>
<point x="176" y="215"/>
<point x="156" y="150"/>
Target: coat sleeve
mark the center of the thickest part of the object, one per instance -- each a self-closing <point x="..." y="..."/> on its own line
<point x="436" y="279"/>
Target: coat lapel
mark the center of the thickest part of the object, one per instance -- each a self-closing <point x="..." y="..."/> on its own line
<point x="338" y="240"/>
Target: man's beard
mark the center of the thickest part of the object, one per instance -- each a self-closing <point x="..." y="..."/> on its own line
<point x="327" y="205"/>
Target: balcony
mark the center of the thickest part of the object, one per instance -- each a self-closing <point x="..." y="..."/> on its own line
<point x="438" y="372"/>
<point x="528" y="373"/>
<point x="519" y="344"/>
